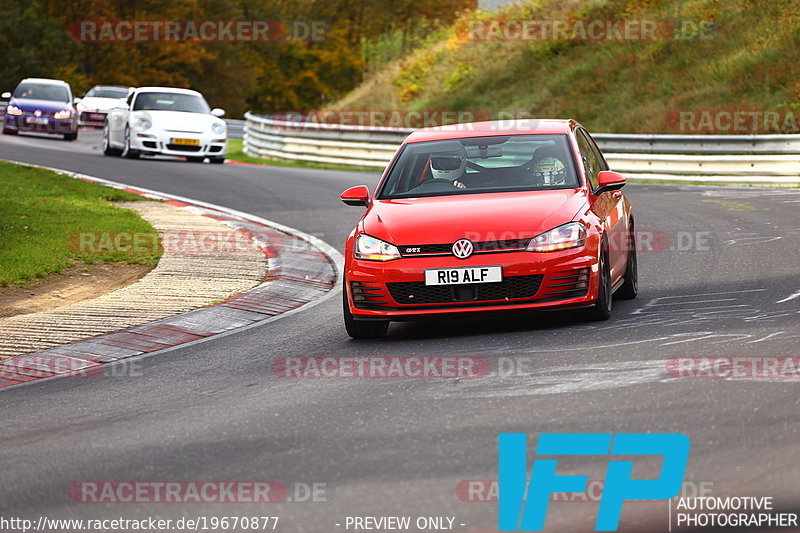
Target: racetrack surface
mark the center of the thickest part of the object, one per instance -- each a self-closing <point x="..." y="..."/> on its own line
<point x="216" y="411"/>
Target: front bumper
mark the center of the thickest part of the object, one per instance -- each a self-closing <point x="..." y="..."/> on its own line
<point x="28" y="122"/>
<point x="159" y="142"/>
<point x="395" y="289"/>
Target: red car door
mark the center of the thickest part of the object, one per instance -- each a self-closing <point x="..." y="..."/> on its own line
<point x="608" y="206"/>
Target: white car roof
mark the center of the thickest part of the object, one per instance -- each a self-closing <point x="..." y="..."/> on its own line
<point x="47" y="81"/>
<point x="176" y="90"/>
<point x="112" y="87"/>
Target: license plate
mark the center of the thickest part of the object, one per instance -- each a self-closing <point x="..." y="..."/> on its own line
<point x="461" y="276"/>
<point x="36" y="120"/>
<point x="186" y="142"/>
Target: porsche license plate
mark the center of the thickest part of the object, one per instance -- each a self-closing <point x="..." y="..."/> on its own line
<point x="186" y="142"/>
<point x="461" y="276"/>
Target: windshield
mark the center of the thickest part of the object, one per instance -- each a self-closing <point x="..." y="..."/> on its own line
<point x="107" y="92"/>
<point x="188" y="103"/>
<point x="481" y="165"/>
<point x="42" y="91"/>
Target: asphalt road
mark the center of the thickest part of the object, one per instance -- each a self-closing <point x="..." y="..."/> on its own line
<point x="727" y="285"/>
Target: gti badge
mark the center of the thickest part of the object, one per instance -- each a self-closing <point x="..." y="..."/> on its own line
<point x="462" y="248"/>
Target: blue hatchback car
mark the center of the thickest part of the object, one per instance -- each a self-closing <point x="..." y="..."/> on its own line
<point x="41" y="105"/>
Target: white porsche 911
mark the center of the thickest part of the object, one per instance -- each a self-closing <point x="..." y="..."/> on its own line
<point x="165" y="121"/>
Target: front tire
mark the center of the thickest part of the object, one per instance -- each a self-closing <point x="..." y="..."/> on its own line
<point x="217" y="160"/>
<point x="195" y="159"/>
<point x="10" y="132"/>
<point x="70" y="136"/>
<point x="106" y="143"/>
<point x="127" y="152"/>
<point x="601" y="310"/>
<point x="630" y="287"/>
<point x="362" y="329"/>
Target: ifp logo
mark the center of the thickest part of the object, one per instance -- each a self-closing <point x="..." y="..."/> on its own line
<point x="519" y="511"/>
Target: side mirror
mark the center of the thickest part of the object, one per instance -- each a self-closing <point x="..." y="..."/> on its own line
<point x="5" y="95"/>
<point x="609" y="181"/>
<point x="217" y="112"/>
<point x="358" y="195"/>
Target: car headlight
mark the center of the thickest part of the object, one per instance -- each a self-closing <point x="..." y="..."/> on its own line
<point x="13" y="110"/>
<point x="563" y="237"/>
<point x="372" y="249"/>
<point x="218" y="128"/>
<point x="142" y="123"/>
<point x="64" y="113"/>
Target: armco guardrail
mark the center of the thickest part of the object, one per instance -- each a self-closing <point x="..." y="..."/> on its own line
<point x="755" y="159"/>
<point x="321" y="143"/>
<point x="746" y="159"/>
<point x="235" y="128"/>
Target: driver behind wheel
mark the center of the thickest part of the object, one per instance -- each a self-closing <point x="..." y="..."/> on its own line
<point x="449" y="166"/>
<point x="550" y="171"/>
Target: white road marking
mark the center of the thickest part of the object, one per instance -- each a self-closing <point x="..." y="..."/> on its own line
<point x="700" y="301"/>
<point x="746" y="241"/>
<point x="709" y="294"/>
<point x="767" y="337"/>
<point x="791" y="297"/>
<point x="563" y="379"/>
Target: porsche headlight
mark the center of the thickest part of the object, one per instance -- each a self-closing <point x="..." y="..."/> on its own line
<point x="142" y="123"/>
<point x="64" y="113"/>
<point x="563" y="237"/>
<point x="218" y="128"/>
<point x="372" y="249"/>
<point x="13" y="110"/>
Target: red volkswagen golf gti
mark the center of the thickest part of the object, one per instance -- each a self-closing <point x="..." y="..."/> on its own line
<point x="487" y="217"/>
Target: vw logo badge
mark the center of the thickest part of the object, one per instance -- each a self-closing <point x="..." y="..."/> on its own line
<point x="462" y="248"/>
<point x="37" y="113"/>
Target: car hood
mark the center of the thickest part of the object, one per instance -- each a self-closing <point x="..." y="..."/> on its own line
<point x="179" y="121"/>
<point x="478" y="217"/>
<point x="100" y="104"/>
<point x="47" y="106"/>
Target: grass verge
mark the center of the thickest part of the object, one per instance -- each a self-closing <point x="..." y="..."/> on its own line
<point x="236" y="153"/>
<point x="41" y="210"/>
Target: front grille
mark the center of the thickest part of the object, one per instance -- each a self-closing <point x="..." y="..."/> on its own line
<point x="566" y="284"/>
<point x="366" y="295"/>
<point x="511" y="288"/>
<point x="479" y="247"/>
<point x="184" y="148"/>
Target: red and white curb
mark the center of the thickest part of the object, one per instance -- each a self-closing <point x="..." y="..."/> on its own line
<point x="302" y="272"/>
